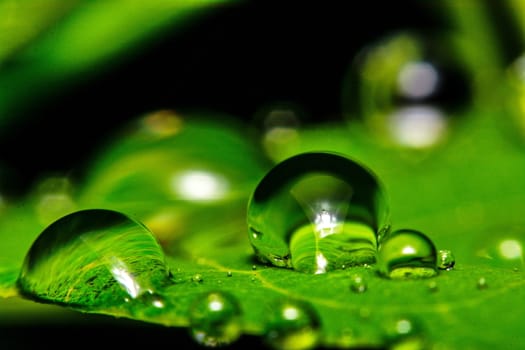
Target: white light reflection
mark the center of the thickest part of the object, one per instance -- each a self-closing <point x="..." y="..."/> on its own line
<point x="121" y="273"/>
<point x="325" y="223"/>
<point x="408" y="250"/>
<point x="510" y="249"/>
<point x="417" y="80"/>
<point x="417" y="126"/>
<point x="404" y="326"/>
<point x="321" y="263"/>
<point x="199" y="185"/>
<point x="290" y="313"/>
<point x="216" y="305"/>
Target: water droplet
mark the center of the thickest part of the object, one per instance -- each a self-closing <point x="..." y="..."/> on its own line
<point x="433" y="286"/>
<point x="404" y="89"/>
<point x="279" y="125"/>
<point x="254" y="267"/>
<point x="292" y="325"/>
<point x="358" y="284"/>
<point x="506" y="251"/>
<point x="317" y="212"/>
<point x="405" y="333"/>
<point x="54" y="199"/>
<point x="171" y="170"/>
<point x="445" y="260"/>
<point x="229" y="274"/>
<point x="407" y="254"/>
<point x="94" y="258"/>
<point x="197" y="278"/>
<point x="215" y="319"/>
<point x="482" y="283"/>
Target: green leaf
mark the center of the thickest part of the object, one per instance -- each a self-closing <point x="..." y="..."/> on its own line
<point x="466" y="195"/>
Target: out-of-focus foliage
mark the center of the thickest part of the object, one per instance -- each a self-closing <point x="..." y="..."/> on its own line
<point x="46" y="44"/>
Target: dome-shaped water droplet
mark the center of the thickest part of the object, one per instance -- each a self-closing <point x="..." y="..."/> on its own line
<point x="317" y="212"/>
<point x="95" y="259"/>
<point x="445" y="259"/>
<point x="405" y="87"/>
<point x="407" y="253"/>
<point x="171" y="172"/>
<point x="292" y="325"/>
<point x="215" y="319"/>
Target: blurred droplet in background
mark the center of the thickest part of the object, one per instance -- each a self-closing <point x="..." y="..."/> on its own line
<point x="407" y="89"/>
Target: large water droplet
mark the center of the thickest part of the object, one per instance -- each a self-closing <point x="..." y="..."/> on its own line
<point x="175" y="174"/>
<point x="407" y="254"/>
<point x="317" y="212"/>
<point x="405" y="87"/>
<point x="95" y="259"/>
<point x="292" y="325"/>
<point x="215" y="319"/>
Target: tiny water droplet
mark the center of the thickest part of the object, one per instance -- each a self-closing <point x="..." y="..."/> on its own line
<point x="358" y="284"/>
<point x="215" y="319"/>
<point x="94" y="259"/>
<point x="197" y="277"/>
<point x="445" y="260"/>
<point x="433" y="286"/>
<point x="482" y="283"/>
<point x="229" y="274"/>
<point x="317" y="212"/>
<point x="407" y="254"/>
<point x="254" y="267"/>
<point x="292" y="325"/>
<point x="405" y="333"/>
